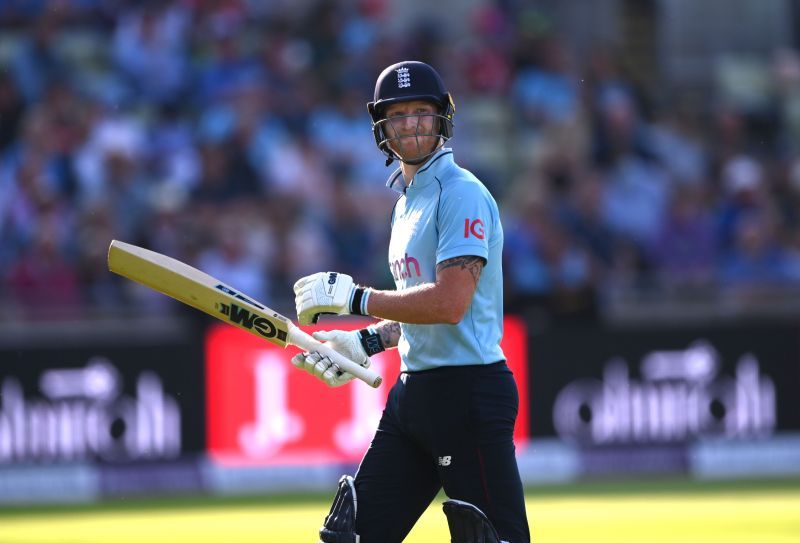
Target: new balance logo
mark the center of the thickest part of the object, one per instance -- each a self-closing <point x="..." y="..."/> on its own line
<point x="403" y="78"/>
<point x="445" y="460"/>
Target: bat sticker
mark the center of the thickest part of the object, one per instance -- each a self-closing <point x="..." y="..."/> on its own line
<point x="230" y="291"/>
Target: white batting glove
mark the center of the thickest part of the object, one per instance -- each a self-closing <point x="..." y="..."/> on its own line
<point x="352" y="345"/>
<point x="321" y="367"/>
<point x="328" y="292"/>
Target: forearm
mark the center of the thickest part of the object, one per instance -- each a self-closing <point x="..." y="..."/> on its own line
<point x="423" y="304"/>
<point x="389" y="332"/>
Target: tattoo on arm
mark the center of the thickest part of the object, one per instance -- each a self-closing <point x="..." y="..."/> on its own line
<point x="389" y="332"/>
<point x="472" y="263"/>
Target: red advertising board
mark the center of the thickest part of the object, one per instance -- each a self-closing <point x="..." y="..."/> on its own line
<point x="261" y="410"/>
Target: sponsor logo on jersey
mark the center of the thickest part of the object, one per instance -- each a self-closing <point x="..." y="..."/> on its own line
<point x="445" y="460"/>
<point x="474" y="228"/>
<point x="404" y="267"/>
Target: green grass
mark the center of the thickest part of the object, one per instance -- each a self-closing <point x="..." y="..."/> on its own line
<point x="601" y="511"/>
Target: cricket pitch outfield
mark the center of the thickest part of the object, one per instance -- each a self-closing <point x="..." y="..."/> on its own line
<point x="732" y="515"/>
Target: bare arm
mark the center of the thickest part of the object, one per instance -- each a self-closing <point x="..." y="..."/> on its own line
<point x="443" y="302"/>
<point x="389" y="332"/>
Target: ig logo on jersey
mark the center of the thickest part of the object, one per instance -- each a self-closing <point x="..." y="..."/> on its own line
<point x="474" y="228"/>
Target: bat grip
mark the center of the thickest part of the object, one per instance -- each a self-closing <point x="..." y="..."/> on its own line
<point x="299" y="338"/>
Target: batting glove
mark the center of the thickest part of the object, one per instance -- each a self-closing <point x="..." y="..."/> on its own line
<point x="328" y="292"/>
<point x="357" y="345"/>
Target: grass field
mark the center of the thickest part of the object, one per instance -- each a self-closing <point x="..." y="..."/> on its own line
<point x="666" y="511"/>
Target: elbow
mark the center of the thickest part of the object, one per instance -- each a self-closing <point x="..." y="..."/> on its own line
<point x="454" y="314"/>
<point x="453" y="319"/>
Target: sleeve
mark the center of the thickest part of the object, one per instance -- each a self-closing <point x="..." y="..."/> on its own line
<point x="465" y="219"/>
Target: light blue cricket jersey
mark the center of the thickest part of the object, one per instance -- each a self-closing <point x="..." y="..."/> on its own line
<point x="447" y="212"/>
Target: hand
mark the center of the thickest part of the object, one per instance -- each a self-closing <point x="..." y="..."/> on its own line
<point x="346" y="343"/>
<point x="325" y="292"/>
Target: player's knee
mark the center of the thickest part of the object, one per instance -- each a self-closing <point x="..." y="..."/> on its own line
<point x="468" y="524"/>
<point x="340" y="524"/>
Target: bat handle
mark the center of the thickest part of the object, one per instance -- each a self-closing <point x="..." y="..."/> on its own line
<point x="298" y="337"/>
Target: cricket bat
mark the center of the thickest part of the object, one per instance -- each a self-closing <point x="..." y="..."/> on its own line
<point x="201" y="291"/>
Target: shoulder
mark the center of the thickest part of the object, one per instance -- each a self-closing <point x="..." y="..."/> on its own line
<point x="459" y="183"/>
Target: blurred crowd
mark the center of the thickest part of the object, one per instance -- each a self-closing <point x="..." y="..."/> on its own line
<point x="233" y="135"/>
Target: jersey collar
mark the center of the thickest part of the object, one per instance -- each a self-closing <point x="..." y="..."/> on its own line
<point x="438" y="162"/>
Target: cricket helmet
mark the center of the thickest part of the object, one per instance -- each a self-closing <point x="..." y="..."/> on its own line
<point x="405" y="82"/>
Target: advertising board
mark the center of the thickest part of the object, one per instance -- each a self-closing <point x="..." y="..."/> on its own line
<point x="667" y="385"/>
<point x="112" y="404"/>
<point x="261" y="410"/>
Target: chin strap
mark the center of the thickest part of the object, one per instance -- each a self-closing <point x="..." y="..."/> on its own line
<point x="391" y="156"/>
<point x="416" y="161"/>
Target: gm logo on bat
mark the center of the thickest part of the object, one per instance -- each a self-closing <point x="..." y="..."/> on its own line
<point x="242" y="317"/>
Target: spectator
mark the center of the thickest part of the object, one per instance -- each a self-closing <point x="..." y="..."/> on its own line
<point x="545" y="267"/>
<point x="582" y="216"/>
<point x="743" y="192"/>
<point x="37" y="63"/>
<point x="684" y="251"/>
<point x="547" y="91"/>
<point x="148" y="46"/>
<point x="230" y="259"/>
<point x="12" y="112"/>
<point x="43" y="281"/>
<point x="755" y="258"/>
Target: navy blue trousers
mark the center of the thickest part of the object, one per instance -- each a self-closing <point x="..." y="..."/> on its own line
<point x="449" y="428"/>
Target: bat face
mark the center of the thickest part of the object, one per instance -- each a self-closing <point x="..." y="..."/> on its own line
<point x="197" y="289"/>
